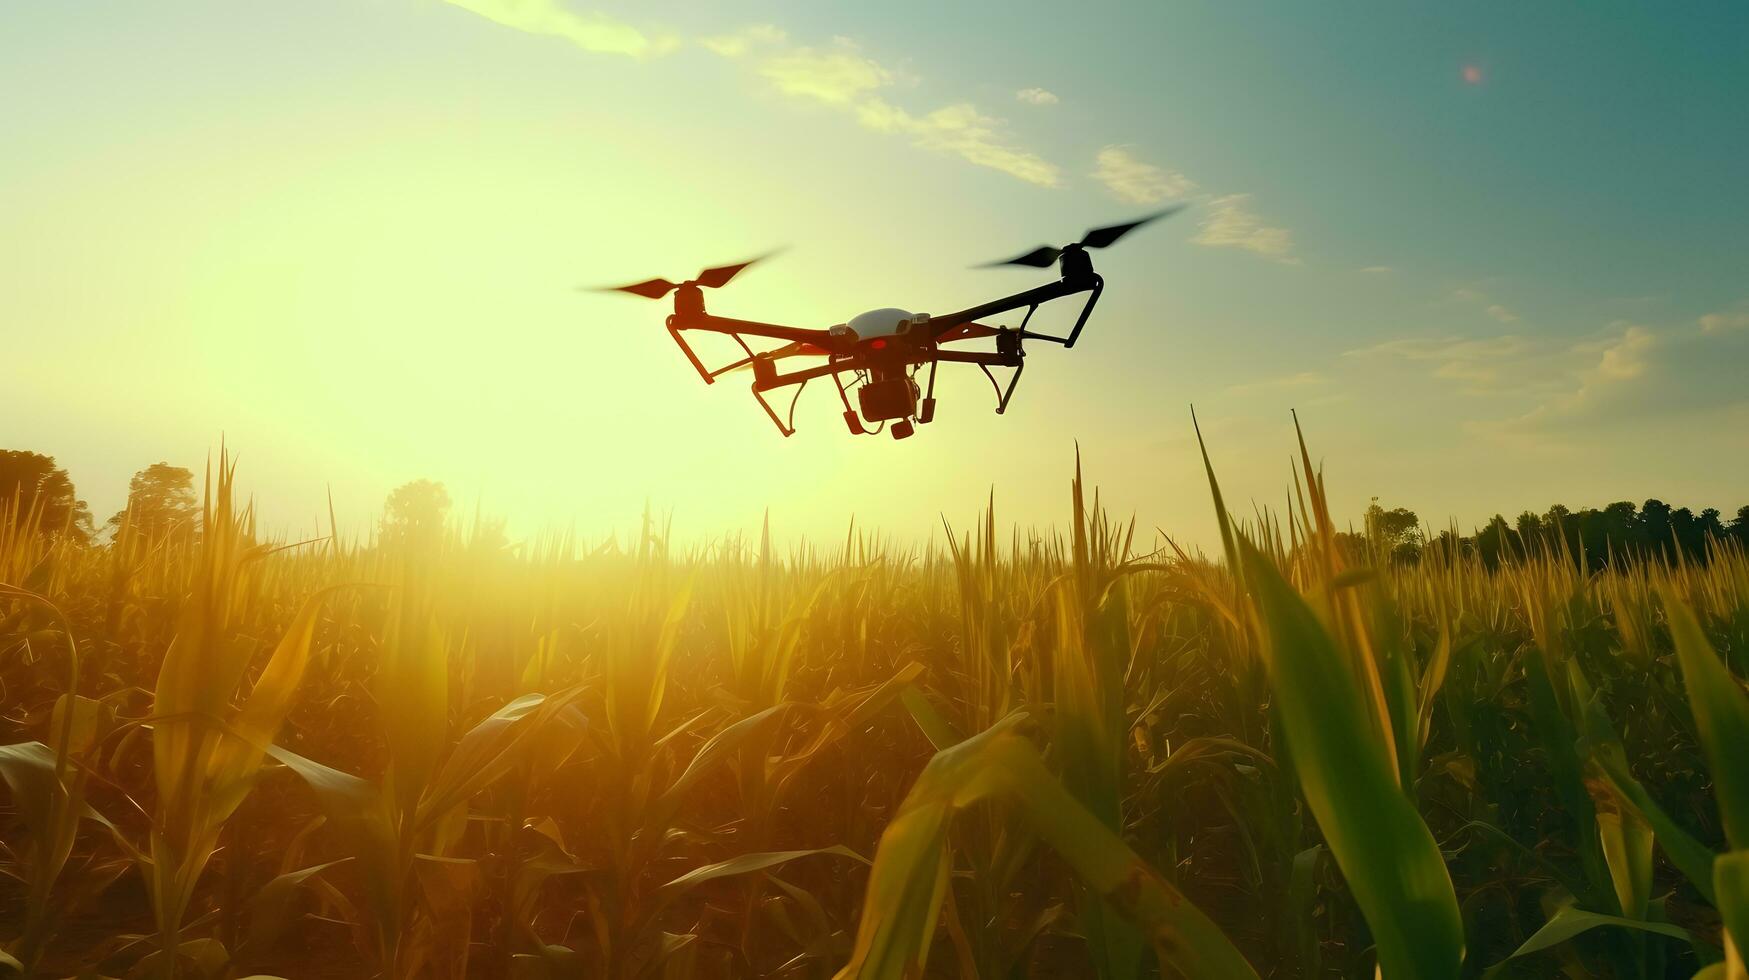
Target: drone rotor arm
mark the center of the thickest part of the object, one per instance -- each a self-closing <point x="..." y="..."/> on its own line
<point x="752" y="328"/>
<point x="947" y="323"/>
<point x="967" y="331"/>
<point x="797" y="349"/>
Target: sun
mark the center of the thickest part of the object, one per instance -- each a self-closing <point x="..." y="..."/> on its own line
<point x="1472" y="75"/>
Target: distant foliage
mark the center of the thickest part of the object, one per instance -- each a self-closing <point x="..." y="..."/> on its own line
<point x="415" y="511"/>
<point x="1619" y="533"/>
<point x="32" y="482"/>
<point x="161" y="503"/>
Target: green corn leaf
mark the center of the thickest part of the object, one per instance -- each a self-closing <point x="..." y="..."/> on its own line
<point x="745" y="864"/>
<point x="1721" y="712"/>
<point x="909" y="880"/>
<point x="1570" y="921"/>
<point x="1731" y="885"/>
<point x="1385" y="851"/>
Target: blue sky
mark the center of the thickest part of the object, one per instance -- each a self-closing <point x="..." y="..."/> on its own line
<point x="1492" y="253"/>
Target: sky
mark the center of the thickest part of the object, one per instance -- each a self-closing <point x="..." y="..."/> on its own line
<point x="1494" y="254"/>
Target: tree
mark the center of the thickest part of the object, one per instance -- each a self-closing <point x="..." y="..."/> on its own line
<point x="1395" y="532"/>
<point x="1529" y="525"/>
<point x="161" y="502"/>
<point x="1709" y="523"/>
<point x="415" y="510"/>
<point x="1655" y="524"/>
<point x="1494" y="542"/>
<point x="36" y="484"/>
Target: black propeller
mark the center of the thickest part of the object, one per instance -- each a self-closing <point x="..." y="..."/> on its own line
<point x="658" y="288"/>
<point x="1045" y="256"/>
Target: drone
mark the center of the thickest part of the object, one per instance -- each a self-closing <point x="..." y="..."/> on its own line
<point x="880" y="353"/>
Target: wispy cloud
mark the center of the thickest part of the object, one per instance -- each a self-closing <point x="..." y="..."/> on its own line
<point x="741" y="42"/>
<point x="965" y="132"/>
<point x="1718" y="323"/>
<point x="1482" y="365"/>
<point x="840" y="76"/>
<point x="837" y="75"/>
<point x="1474" y="296"/>
<point x="1613" y="368"/>
<point x="1229" y="222"/>
<point x="1377" y="270"/>
<point x="1625" y="373"/>
<point x="593" y="32"/>
<point x="1137" y="181"/>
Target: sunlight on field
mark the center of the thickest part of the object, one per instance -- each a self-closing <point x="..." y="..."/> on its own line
<point x="449" y="755"/>
<point x="381" y="598"/>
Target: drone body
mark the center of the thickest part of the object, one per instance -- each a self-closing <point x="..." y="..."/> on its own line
<point x="882" y="351"/>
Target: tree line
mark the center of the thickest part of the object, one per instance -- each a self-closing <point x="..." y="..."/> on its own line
<point x="1618" y="532"/>
<point x="162" y="501"/>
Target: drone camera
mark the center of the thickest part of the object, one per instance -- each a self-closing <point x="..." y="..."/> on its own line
<point x="890" y="398"/>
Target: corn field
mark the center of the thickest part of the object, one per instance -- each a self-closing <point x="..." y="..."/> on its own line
<point x="1013" y="756"/>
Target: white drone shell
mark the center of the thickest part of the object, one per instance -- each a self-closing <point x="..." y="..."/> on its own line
<point x="885" y="322"/>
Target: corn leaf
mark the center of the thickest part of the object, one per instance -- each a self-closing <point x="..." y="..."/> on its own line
<point x="1571" y="921"/>
<point x="1721" y="711"/>
<point x="1385" y="851"/>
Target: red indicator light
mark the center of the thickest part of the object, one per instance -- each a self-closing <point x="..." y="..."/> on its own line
<point x="877" y="345"/>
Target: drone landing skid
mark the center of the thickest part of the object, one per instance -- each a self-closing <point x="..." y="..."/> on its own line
<point x="884" y="369"/>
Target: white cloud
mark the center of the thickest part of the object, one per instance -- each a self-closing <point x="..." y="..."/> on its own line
<point x="1378" y="269"/>
<point x="836" y="75"/>
<point x="1717" y="323"/>
<point x="1229" y="222"/>
<point x="592" y="32"/>
<point x="743" y="41"/>
<point x="842" y="77"/>
<point x="1616" y="369"/>
<point x="1037" y="96"/>
<point x="1136" y="181"/>
<point x="1476" y="297"/>
<point x="963" y="131"/>
<point x="1483" y="365"/>
<point x="1623" y="358"/>
<point x="1628" y="373"/>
